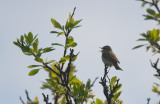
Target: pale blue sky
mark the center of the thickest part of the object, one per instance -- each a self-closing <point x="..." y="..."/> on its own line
<point x="107" y="22"/>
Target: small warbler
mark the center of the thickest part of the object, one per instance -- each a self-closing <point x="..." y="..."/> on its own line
<point x="109" y="58"/>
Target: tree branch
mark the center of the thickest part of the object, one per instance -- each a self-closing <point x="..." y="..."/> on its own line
<point x="52" y="70"/>
<point x="94" y="81"/>
<point x="148" y="100"/>
<point x="155" y="66"/>
<point x="152" y="3"/>
<point x="46" y="98"/>
<point x="27" y="95"/>
<point x="21" y="100"/>
<point x="107" y="89"/>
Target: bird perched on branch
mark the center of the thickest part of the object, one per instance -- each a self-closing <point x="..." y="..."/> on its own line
<point x="109" y="58"/>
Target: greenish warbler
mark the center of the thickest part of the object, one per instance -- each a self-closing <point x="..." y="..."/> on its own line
<point x="109" y="58"/>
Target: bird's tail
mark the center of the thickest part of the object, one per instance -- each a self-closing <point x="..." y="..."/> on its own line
<point x="117" y="67"/>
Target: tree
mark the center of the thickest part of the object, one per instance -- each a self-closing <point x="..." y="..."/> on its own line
<point x="152" y="37"/>
<point x="62" y="82"/>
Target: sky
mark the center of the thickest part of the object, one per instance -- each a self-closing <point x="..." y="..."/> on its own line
<point x="117" y="23"/>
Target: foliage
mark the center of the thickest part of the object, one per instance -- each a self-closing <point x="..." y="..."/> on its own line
<point x="152" y="37"/>
<point x="64" y="85"/>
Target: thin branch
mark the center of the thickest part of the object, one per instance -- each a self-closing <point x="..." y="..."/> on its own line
<point x="60" y="83"/>
<point x="46" y="98"/>
<point x="103" y="83"/>
<point x="152" y="3"/>
<point x="155" y="66"/>
<point x="148" y="100"/>
<point x="107" y="89"/>
<point x="21" y="100"/>
<point x="73" y="12"/>
<point x="157" y="46"/>
<point x="94" y="81"/>
<point x="27" y="95"/>
<point x="59" y="69"/>
<point x="67" y="34"/>
<point x="56" y="99"/>
<point x="69" y="64"/>
<point x="52" y="70"/>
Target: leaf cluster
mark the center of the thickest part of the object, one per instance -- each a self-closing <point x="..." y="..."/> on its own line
<point x="152" y="37"/>
<point x="64" y="85"/>
<point x="152" y="15"/>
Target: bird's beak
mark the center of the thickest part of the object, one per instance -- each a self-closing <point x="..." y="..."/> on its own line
<point x="100" y="50"/>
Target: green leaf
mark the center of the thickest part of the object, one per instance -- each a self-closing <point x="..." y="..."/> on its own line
<point x="74" y="79"/>
<point x="28" y="53"/>
<point x="64" y="59"/>
<point x="35" y="45"/>
<point x="56" y="44"/>
<point x="71" y="79"/>
<point x="33" y="72"/>
<point x="118" y="88"/>
<point x="142" y="40"/>
<point x="48" y="49"/>
<point x="74" y="44"/>
<point x="116" y="96"/>
<point x="138" y="46"/>
<point x="149" y="17"/>
<point x="61" y="33"/>
<point x="76" y="23"/>
<point x="38" y="59"/>
<point x="77" y="26"/>
<point x="70" y="40"/>
<point x="67" y="25"/>
<point x="88" y="84"/>
<point x="30" y="37"/>
<point x="92" y="102"/>
<point x="74" y="58"/>
<point x="48" y="62"/>
<point x="150" y="11"/>
<point x="144" y="35"/>
<point x="54" y="32"/>
<point x="155" y="89"/>
<point x="35" y="37"/>
<point x="26" y="50"/>
<point x="99" y="101"/>
<point x="32" y="66"/>
<point x="113" y="81"/>
<point x="22" y="38"/>
<point x="147" y="48"/>
<point x="15" y="43"/>
<point x="56" y="24"/>
<point x="26" y="38"/>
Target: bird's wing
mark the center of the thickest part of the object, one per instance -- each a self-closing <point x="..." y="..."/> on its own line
<point x="111" y="56"/>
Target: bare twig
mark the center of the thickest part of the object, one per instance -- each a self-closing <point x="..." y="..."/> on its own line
<point x="27" y="95"/>
<point x="52" y="70"/>
<point x="73" y="12"/>
<point x="46" y="98"/>
<point x="155" y="66"/>
<point x="153" y="3"/>
<point x="21" y="100"/>
<point x="94" y="81"/>
<point x="56" y="99"/>
<point x="148" y="100"/>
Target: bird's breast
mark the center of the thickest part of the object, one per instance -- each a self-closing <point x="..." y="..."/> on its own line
<point x="106" y="61"/>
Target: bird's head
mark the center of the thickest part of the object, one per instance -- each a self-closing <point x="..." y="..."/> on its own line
<point x="106" y="48"/>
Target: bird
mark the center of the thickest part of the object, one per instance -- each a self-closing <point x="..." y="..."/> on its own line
<point x="109" y="58"/>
